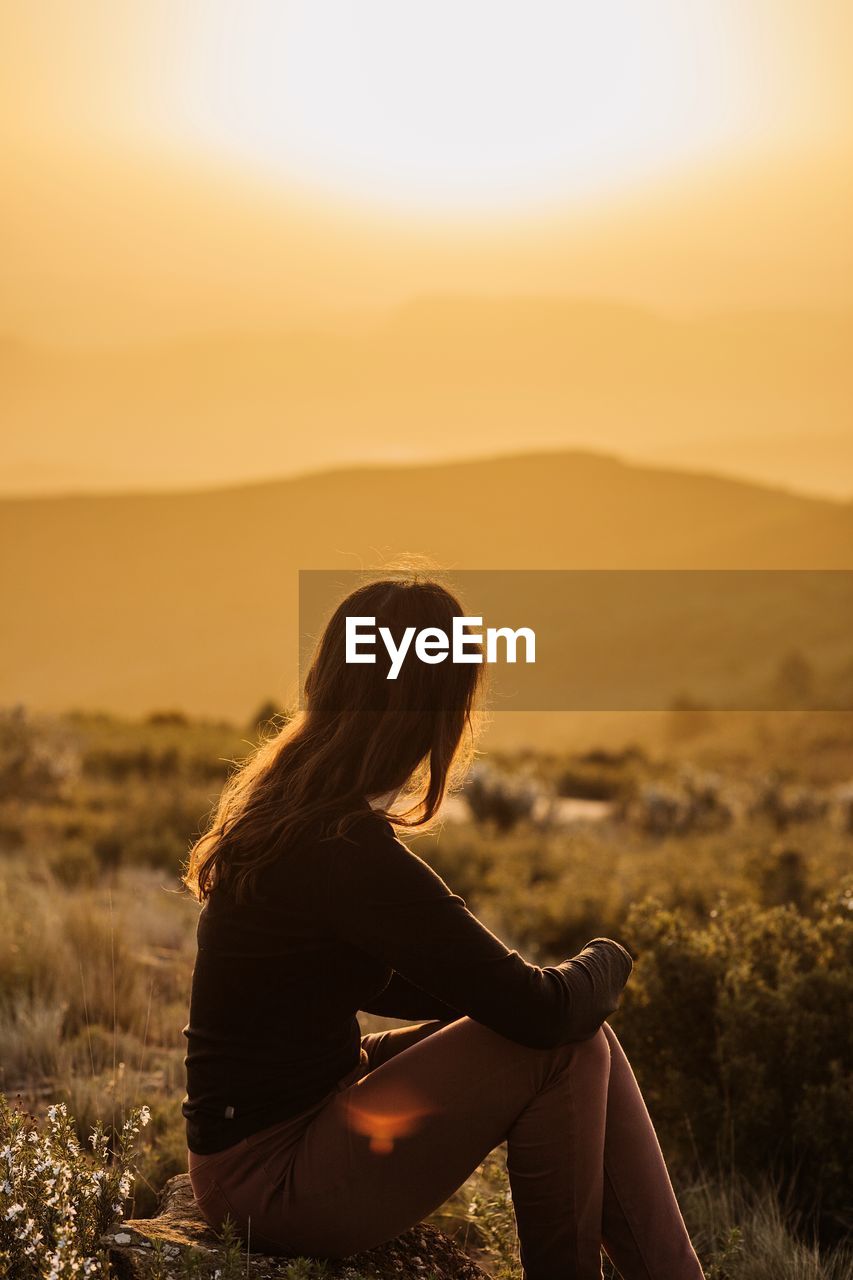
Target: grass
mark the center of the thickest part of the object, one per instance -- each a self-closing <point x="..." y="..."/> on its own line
<point x="739" y="1232"/>
<point x="97" y="944"/>
<point x="748" y="1234"/>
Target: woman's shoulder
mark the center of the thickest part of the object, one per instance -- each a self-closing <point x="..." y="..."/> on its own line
<point x="362" y="833"/>
<point x="340" y="830"/>
<point x="331" y="838"/>
<point x="370" y="855"/>
<point x="365" y="826"/>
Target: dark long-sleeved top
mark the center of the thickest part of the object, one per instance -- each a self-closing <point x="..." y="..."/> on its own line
<point x="357" y="922"/>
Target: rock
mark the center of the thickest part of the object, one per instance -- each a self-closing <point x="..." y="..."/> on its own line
<point x="178" y="1242"/>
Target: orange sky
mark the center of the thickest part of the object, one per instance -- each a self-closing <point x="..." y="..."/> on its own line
<point x="159" y="178"/>
<point x="234" y="169"/>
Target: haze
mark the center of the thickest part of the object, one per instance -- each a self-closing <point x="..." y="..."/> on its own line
<point x="245" y="241"/>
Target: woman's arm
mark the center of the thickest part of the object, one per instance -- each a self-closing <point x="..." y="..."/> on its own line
<point x="383" y="898"/>
<point x="402" y="999"/>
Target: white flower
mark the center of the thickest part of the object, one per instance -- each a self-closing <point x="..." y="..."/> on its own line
<point x="13" y="1211"/>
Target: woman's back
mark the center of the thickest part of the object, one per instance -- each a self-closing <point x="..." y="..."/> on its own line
<point x="275" y="991"/>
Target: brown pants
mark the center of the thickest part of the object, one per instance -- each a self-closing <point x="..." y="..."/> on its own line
<point x="427" y="1103"/>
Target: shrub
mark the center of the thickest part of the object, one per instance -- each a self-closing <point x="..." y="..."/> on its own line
<point x="689" y="802"/>
<point x="601" y="775"/>
<point x="75" y="864"/>
<point x="56" y="1201"/>
<point x="498" y="799"/>
<point x="39" y="758"/>
<point x="740" y="1032"/>
<point x="782" y="878"/>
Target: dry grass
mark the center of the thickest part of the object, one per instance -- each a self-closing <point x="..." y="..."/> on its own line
<point x="97" y="947"/>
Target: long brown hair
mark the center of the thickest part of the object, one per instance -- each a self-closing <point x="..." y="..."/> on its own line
<point x="359" y="735"/>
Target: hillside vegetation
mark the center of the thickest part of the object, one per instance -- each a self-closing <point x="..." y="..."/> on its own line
<point x="722" y="859"/>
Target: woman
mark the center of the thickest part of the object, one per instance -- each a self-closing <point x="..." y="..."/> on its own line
<point x="319" y="1141"/>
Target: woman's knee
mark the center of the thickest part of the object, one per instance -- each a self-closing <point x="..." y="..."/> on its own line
<point x="611" y="1036"/>
<point x="592" y="1054"/>
<point x="588" y="1059"/>
<point x="596" y="1049"/>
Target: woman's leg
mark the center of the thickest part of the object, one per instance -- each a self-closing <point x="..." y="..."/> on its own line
<point x="379" y="1046"/>
<point x="388" y="1149"/>
<point x="642" y="1228"/>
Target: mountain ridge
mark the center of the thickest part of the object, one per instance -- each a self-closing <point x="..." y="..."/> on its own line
<point x="190" y="600"/>
<point x="445" y="377"/>
<point x="350" y="471"/>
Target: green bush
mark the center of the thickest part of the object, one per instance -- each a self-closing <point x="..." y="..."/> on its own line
<point x="741" y="1035"/>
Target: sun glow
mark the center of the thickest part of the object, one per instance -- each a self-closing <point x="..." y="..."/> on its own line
<point x="448" y="106"/>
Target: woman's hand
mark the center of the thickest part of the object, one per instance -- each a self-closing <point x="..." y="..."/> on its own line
<point x="617" y="958"/>
<point x="607" y="966"/>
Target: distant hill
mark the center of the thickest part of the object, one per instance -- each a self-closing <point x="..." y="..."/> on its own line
<point x="133" y="601"/>
<point x="762" y="394"/>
